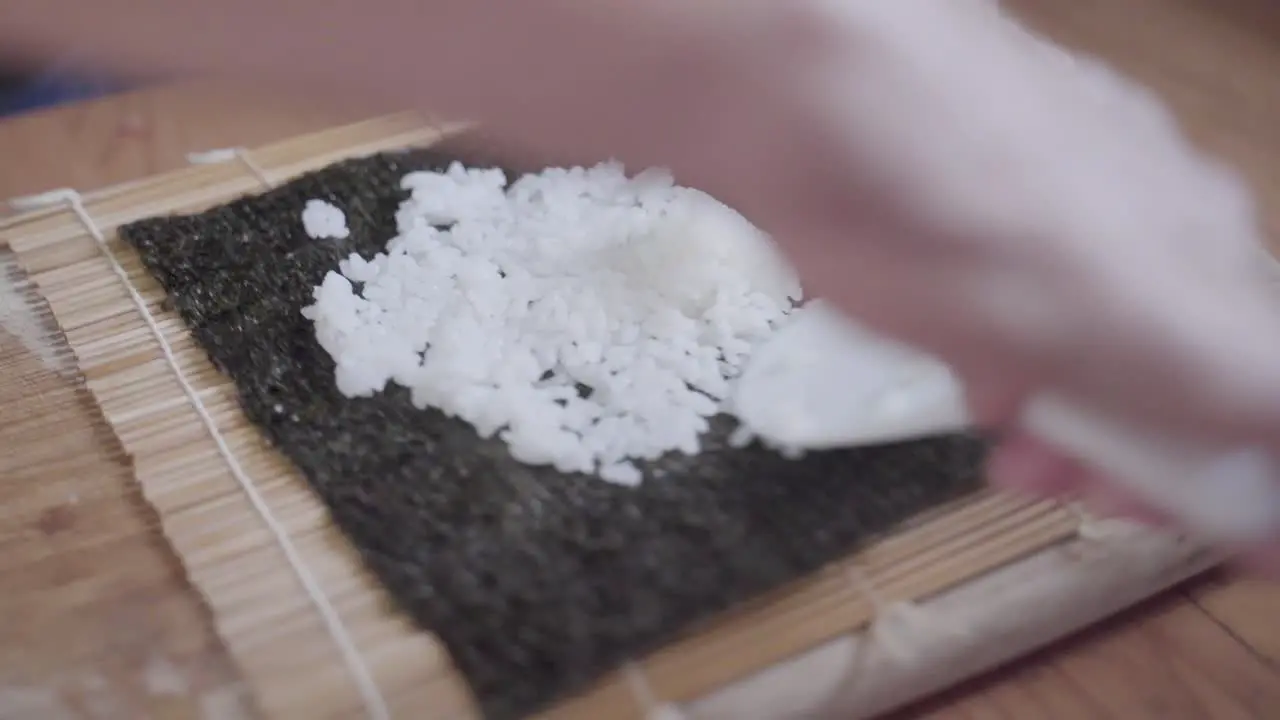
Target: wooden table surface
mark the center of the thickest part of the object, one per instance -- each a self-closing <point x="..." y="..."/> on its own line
<point x="96" y="620"/>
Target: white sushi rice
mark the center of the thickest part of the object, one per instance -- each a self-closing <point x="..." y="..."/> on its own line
<point x="324" y="221"/>
<point x="649" y="294"/>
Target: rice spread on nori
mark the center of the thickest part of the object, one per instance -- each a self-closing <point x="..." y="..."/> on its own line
<point x="538" y="582"/>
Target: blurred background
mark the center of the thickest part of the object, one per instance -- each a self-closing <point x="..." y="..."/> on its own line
<point x="22" y="92"/>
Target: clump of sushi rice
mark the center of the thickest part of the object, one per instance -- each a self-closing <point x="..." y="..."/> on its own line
<point x="588" y="318"/>
<point x="324" y="221"/>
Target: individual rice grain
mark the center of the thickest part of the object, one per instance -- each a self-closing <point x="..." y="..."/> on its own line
<point x="323" y="220"/>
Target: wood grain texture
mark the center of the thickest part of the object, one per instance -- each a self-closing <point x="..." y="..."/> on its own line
<point x="1165" y="659"/>
<point x="95" y="620"/>
<point x="137" y="134"/>
<point x="91" y="595"/>
<point x="1247" y="609"/>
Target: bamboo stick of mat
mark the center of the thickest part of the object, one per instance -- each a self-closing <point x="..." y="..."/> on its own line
<point x="262" y="613"/>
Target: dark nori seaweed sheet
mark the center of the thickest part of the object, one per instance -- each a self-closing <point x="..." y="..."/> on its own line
<point x="537" y="582"/>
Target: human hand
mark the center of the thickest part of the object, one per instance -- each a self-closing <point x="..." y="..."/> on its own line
<point x="1039" y="224"/>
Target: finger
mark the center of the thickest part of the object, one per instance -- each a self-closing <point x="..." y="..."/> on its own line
<point x="994" y="399"/>
<point x="1023" y="464"/>
<point x="1217" y="347"/>
<point x="1102" y="497"/>
<point x="895" y="289"/>
<point x="1032" y="465"/>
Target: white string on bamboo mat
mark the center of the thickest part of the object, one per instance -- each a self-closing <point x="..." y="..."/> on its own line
<point x="221" y="155"/>
<point x="375" y="704"/>
<point x="642" y="691"/>
<point x="902" y="629"/>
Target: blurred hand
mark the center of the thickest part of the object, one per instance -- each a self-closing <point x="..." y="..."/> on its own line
<point x="1038" y="223"/>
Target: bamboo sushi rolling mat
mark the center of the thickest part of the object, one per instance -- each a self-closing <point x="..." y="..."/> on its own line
<point x="958" y="591"/>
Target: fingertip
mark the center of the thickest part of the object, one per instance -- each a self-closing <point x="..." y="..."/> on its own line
<point x="992" y="402"/>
